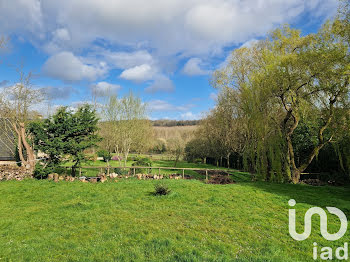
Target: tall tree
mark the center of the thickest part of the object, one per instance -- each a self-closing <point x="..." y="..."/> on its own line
<point x="16" y="104"/>
<point x="66" y="133"/>
<point x="281" y="80"/>
<point x="128" y="123"/>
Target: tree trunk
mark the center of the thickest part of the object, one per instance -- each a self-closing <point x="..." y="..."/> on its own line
<point x="29" y="149"/>
<point x="295" y="176"/>
<point x="176" y="160"/>
<point x="228" y="160"/>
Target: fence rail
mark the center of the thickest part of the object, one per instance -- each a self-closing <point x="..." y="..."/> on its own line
<point x="108" y="168"/>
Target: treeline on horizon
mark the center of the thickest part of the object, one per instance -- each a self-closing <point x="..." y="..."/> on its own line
<point x="170" y="123"/>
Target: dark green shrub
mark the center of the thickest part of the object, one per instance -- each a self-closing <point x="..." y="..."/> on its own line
<point x="105" y="155"/>
<point x="161" y="190"/>
<point x="146" y="162"/>
<point x="41" y="170"/>
<point x="120" y="171"/>
<point x="198" y="161"/>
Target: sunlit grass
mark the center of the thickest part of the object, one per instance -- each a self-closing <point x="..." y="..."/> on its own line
<point x="123" y="221"/>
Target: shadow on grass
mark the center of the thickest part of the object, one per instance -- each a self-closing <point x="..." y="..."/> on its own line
<point x="321" y="196"/>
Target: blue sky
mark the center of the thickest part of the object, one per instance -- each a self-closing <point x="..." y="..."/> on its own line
<point x="162" y="50"/>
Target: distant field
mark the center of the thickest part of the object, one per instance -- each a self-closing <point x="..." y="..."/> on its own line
<point x="123" y="221"/>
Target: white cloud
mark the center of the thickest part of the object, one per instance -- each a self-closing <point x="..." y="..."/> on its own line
<point x="164" y="106"/>
<point x="193" y="67"/>
<point x="139" y="73"/>
<point x="54" y="93"/>
<point x="190" y="116"/>
<point x="104" y="88"/>
<point x="125" y="60"/>
<point x="67" y="67"/>
<point x="23" y="17"/>
<point x="160" y="83"/>
<point x="60" y="40"/>
<point x="170" y="27"/>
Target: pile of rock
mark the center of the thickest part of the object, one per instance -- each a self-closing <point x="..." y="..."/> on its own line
<point x="115" y="175"/>
<point x="13" y="172"/>
<point x="158" y="177"/>
<point x="148" y="176"/>
<point x="220" y="180"/>
<point x="56" y="177"/>
<point x="101" y="178"/>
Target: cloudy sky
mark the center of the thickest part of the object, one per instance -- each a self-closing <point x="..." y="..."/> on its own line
<point x="162" y="50"/>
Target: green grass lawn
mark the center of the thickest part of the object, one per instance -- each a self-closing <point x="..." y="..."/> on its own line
<point x="123" y="221"/>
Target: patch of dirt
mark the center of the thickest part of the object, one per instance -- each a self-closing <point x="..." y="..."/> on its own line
<point x="220" y="180"/>
<point x="313" y="182"/>
<point x="217" y="177"/>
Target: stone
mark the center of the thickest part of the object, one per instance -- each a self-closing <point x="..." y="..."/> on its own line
<point x="56" y="177"/>
<point x="14" y="172"/>
<point x="103" y="178"/>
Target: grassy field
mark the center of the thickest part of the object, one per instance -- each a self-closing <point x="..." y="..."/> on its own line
<point x="157" y="162"/>
<point x="123" y="221"/>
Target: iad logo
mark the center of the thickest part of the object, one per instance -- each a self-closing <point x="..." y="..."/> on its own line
<point x="327" y="252"/>
<point x="323" y="216"/>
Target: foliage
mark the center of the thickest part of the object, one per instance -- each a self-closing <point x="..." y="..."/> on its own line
<point x="66" y="133"/>
<point x="107" y="156"/>
<point x="16" y="111"/>
<point x="120" y="171"/>
<point x="42" y="170"/>
<point x="92" y="157"/>
<point x="144" y="162"/>
<point x="281" y="101"/>
<point x="126" y="126"/>
<point x="160" y="146"/>
<point x="161" y="189"/>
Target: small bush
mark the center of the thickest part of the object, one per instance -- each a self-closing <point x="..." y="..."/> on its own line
<point x="105" y="155"/>
<point x="161" y="190"/>
<point x="41" y="171"/>
<point x="142" y="162"/>
<point x="133" y="158"/>
<point x="198" y="161"/>
<point x="120" y="171"/>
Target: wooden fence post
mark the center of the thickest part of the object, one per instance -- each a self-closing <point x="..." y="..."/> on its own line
<point x="79" y="171"/>
<point x="206" y="175"/>
<point x="134" y="171"/>
<point x="183" y="173"/>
